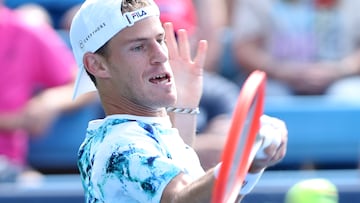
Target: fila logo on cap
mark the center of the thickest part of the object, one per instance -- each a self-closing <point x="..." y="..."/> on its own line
<point x="135" y="16"/>
<point x="138" y="14"/>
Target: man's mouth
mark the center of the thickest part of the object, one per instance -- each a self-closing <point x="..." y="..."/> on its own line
<point x="160" y="79"/>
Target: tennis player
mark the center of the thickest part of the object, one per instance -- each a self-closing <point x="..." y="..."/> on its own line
<point x="150" y="88"/>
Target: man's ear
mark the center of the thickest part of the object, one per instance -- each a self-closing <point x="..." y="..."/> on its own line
<point x="95" y="64"/>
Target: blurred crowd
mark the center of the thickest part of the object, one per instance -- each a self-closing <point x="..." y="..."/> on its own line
<point x="306" y="47"/>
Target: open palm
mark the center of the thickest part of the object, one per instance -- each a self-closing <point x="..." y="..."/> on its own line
<point x="188" y="72"/>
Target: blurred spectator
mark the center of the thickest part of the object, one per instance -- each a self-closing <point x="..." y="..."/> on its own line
<point x="65" y="23"/>
<point x="36" y="85"/>
<point x="66" y="19"/>
<point x="312" y="191"/>
<point x="219" y="94"/>
<point x="212" y="21"/>
<point x="54" y="7"/>
<point x="34" y="14"/>
<point x="306" y="47"/>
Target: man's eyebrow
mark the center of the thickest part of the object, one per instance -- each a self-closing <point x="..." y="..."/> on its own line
<point x="140" y="39"/>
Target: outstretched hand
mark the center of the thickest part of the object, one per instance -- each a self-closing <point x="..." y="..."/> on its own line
<point x="188" y="72"/>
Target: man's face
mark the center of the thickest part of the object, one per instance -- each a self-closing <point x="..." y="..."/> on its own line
<point x="139" y="67"/>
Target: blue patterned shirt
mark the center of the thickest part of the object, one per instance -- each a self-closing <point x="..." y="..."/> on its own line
<point x="128" y="158"/>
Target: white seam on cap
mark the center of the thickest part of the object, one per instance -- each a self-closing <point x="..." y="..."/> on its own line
<point x="77" y="85"/>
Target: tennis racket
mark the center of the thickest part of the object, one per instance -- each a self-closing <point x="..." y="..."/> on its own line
<point x="242" y="138"/>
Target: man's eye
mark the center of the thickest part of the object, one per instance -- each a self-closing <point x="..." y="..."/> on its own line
<point x="138" y="48"/>
<point x="161" y="41"/>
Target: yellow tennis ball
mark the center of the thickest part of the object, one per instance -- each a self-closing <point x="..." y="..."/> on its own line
<point x="312" y="191"/>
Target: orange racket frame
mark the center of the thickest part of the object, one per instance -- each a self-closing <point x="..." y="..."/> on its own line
<point x="239" y="144"/>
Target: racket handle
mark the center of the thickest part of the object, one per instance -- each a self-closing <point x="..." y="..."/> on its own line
<point x="250" y="181"/>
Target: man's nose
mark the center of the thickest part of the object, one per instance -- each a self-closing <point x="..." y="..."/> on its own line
<point x="159" y="53"/>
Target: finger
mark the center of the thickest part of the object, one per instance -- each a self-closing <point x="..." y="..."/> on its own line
<point x="200" y="56"/>
<point x="279" y="155"/>
<point x="283" y="147"/>
<point x="281" y="150"/>
<point x="272" y="134"/>
<point x="267" y="153"/>
<point x="184" y="45"/>
<point x="171" y="40"/>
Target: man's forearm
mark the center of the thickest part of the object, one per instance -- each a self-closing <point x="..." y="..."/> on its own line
<point x="197" y="191"/>
<point x="186" y="124"/>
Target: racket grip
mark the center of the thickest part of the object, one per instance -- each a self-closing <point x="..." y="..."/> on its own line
<point x="251" y="179"/>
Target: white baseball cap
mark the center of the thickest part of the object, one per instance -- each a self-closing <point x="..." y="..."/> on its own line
<point x="95" y="23"/>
